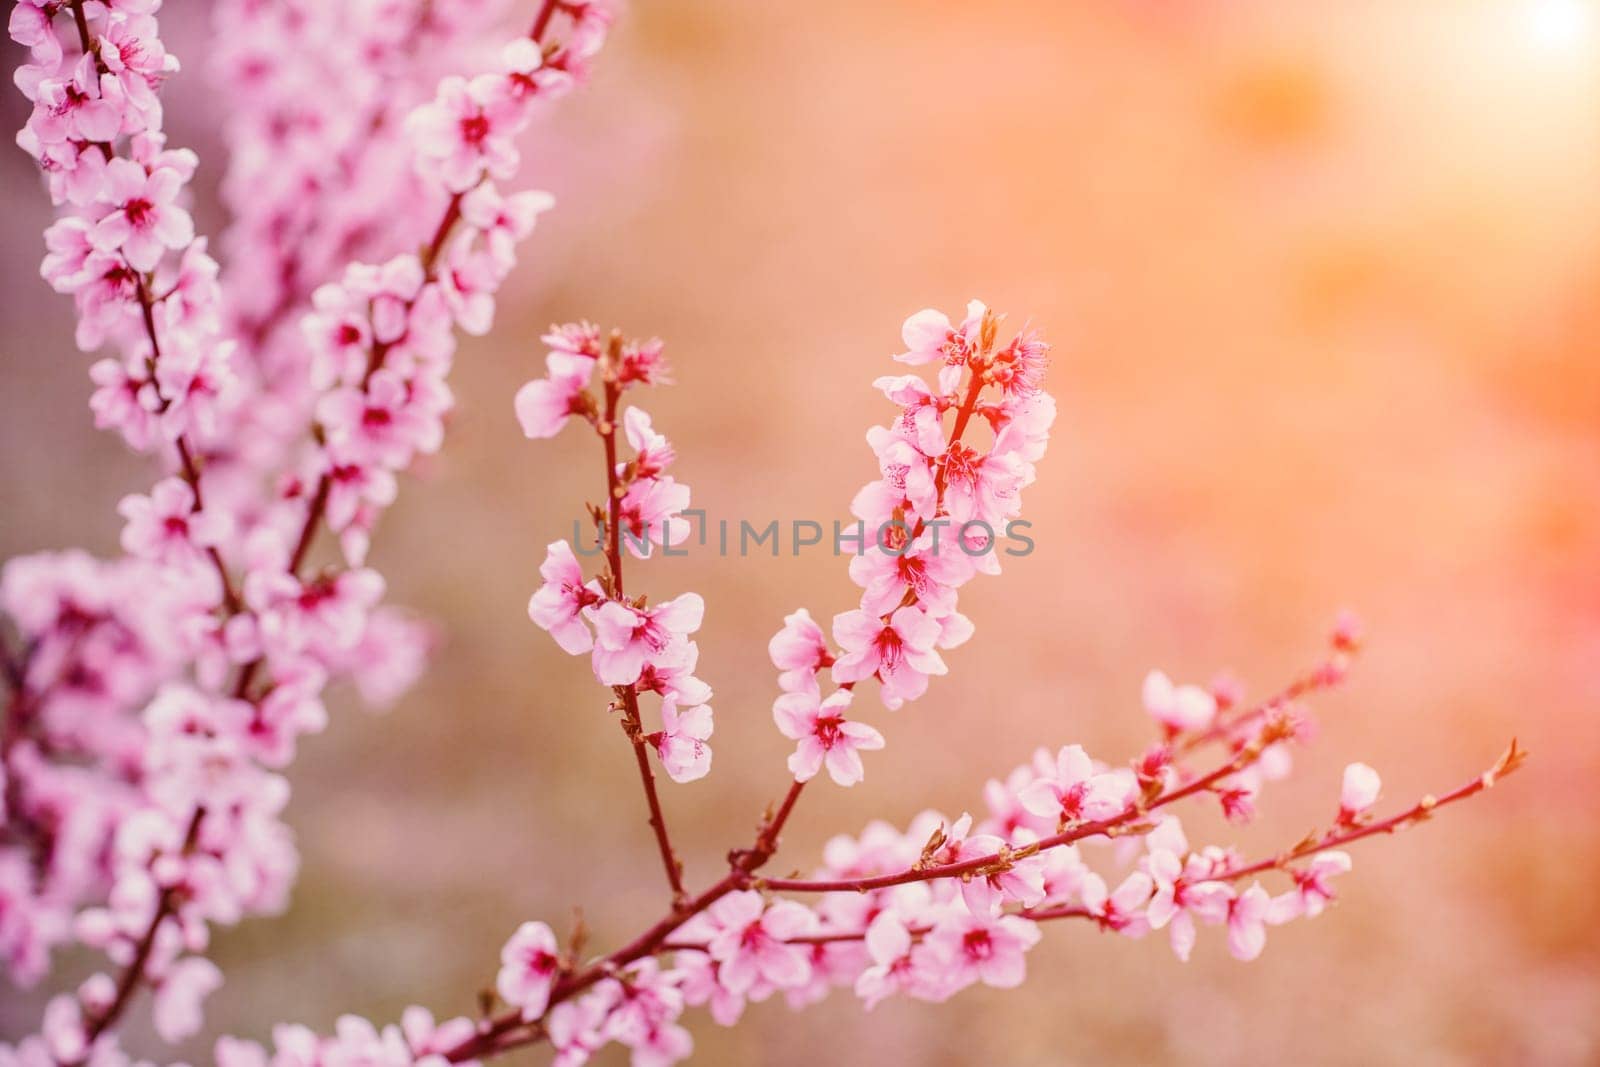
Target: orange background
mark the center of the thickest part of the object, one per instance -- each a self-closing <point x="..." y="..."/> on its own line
<point x="1322" y="283"/>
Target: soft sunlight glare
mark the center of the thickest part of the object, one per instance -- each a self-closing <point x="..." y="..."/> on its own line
<point x="1560" y="25"/>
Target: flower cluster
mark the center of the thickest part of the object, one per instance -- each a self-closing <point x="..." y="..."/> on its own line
<point x="934" y="512"/>
<point x="634" y="647"/>
<point x="944" y="904"/>
<point x="155" y="699"/>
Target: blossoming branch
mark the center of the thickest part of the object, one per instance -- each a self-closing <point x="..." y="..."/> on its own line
<point x="153" y="699"/>
<point x="945" y="903"/>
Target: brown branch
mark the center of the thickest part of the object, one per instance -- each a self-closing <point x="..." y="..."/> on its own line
<point x="606" y="427"/>
<point x="1421" y="811"/>
<point x="1123" y="823"/>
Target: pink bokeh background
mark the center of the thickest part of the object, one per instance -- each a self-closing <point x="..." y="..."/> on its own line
<point x="1322" y="280"/>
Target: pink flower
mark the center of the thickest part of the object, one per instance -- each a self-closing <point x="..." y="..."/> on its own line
<point x="627" y="638"/>
<point x="893" y="968"/>
<point x="931" y="570"/>
<point x="323" y="616"/>
<point x="503" y="220"/>
<point x="132" y="50"/>
<point x="557" y="605"/>
<point x="900" y="651"/>
<point x="529" y="964"/>
<point x="145" y="217"/>
<point x="544" y="404"/>
<point x="1313" y="886"/>
<point x="647" y="1003"/>
<point x="906" y="484"/>
<point x="1178" y="708"/>
<point x="1122" y="910"/>
<point x="983" y="948"/>
<point x="578" y="339"/>
<point x="68" y="263"/>
<point x="1181" y="892"/>
<point x="652" y="452"/>
<point x="176" y="1010"/>
<point x="825" y="736"/>
<point x="644" y="362"/>
<point x="681" y="742"/>
<point x="1077" y="793"/>
<point x="799" y="651"/>
<point x="165" y="527"/>
<point x="981" y="488"/>
<point x="651" y="513"/>
<point x="468" y="279"/>
<point x="1358" y="792"/>
<point x="32" y="28"/>
<point x="750" y="941"/>
<point x="79" y="108"/>
<point x="467" y="130"/>
<point x="673" y="675"/>
<point x="381" y="423"/>
<point x="1247" y="923"/>
<point x="1021" y="883"/>
<point x="928" y="335"/>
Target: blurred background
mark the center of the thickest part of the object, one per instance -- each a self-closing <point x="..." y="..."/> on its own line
<point x="1323" y="284"/>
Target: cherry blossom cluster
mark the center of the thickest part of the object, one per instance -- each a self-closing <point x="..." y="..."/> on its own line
<point x="933" y="513"/>
<point x="634" y="647"/>
<point x="945" y="903"/>
<point x="155" y="699"/>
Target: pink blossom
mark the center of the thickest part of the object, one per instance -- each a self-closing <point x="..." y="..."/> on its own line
<point x="324" y="615"/>
<point x="627" y="637"/>
<point x="1022" y="882"/>
<point x="1178" y="708"/>
<point x="30" y="26"/>
<point x="799" y="651"/>
<point x="673" y="675"/>
<point x="467" y="131"/>
<point x="900" y="651"/>
<point x="1121" y="910"/>
<point x="1077" y="793"/>
<point x="380" y="423"/>
<point x="559" y="602"/>
<point x="652" y="452"/>
<point x="503" y="221"/>
<point x="166" y="527"/>
<point x="643" y="362"/>
<point x="1359" y="791"/>
<point x="681" y="742"/>
<point x="981" y="488"/>
<point x="651" y="513"/>
<point x="1182" y="893"/>
<point x="468" y="279"/>
<point x="824" y="736"/>
<point x="545" y="404"/>
<point x="894" y="968"/>
<point x="646" y="1004"/>
<point x="750" y="941"/>
<point x="576" y="339"/>
<point x="82" y="107"/>
<point x="1313" y="885"/>
<point x="928" y="335"/>
<point x="529" y="964"/>
<point x="145" y="217"/>
<point x="907" y="485"/>
<point x="176" y="1011"/>
<point x="930" y="572"/>
<point x="983" y="948"/>
<point x="1247" y="922"/>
